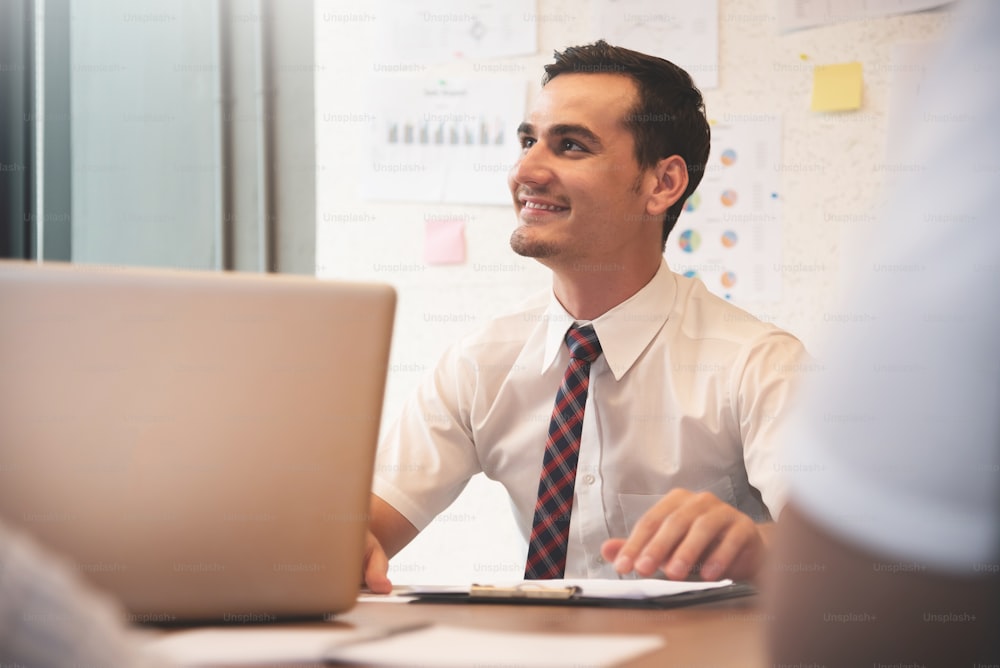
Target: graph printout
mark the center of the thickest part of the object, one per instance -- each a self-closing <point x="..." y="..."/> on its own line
<point x="443" y="141"/>
<point x="441" y="31"/>
<point x="729" y="233"/>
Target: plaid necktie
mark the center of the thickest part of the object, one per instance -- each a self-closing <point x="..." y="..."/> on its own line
<point x="550" y="528"/>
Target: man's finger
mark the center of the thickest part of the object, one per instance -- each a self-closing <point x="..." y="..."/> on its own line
<point x="376" y="567"/>
<point x="682" y="536"/>
<point x="610" y="548"/>
<point x="739" y="555"/>
<point x="634" y="553"/>
<point x="708" y="529"/>
<point x="647" y="526"/>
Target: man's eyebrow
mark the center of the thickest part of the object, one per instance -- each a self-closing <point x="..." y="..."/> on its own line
<point x="562" y="130"/>
<point x="582" y="131"/>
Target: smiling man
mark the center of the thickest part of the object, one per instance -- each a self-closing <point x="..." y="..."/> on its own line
<point x="628" y="411"/>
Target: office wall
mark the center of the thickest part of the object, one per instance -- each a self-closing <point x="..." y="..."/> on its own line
<point x="833" y="171"/>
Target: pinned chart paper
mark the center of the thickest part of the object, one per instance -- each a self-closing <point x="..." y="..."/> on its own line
<point x="796" y="14"/>
<point x="442" y="140"/>
<point x="683" y="32"/>
<point x="837" y="87"/>
<point x="910" y="64"/>
<point x="729" y="232"/>
<point x="439" y="31"/>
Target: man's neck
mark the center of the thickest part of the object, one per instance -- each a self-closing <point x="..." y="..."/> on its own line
<point x="588" y="292"/>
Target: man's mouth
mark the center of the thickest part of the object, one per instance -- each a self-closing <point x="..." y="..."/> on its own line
<point x="542" y="206"/>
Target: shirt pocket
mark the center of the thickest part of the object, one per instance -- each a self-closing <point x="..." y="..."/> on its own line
<point x="634" y="506"/>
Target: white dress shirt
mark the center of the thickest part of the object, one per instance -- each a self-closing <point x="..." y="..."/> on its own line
<point x="687" y="393"/>
<point x="51" y="618"/>
<point x="897" y="449"/>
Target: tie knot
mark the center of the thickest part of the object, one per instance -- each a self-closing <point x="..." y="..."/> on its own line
<point x="583" y="344"/>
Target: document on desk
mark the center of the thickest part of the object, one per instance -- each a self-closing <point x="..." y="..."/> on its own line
<point x="257" y="645"/>
<point x="456" y="647"/>
<point x="638" y="589"/>
<point x="421" y="645"/>
<point x="592" y="592"/>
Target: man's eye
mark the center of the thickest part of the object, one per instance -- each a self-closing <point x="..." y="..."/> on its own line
<point x="570" y="145"/>
<point x="527" y="142"/>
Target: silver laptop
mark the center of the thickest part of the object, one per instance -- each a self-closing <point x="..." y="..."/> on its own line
<point x="198" y="444"/>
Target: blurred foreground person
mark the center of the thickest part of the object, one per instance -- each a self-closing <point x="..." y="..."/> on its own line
<point x="889" y="550"/>
<point x="49" y="618"/>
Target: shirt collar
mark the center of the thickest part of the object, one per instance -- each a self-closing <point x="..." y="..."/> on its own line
<point x="625" y="330"/>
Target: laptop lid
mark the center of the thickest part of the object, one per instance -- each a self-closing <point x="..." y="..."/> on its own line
<point x="198" y="444"/>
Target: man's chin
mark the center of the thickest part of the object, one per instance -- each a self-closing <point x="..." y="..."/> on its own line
<point x="530" y="247"/>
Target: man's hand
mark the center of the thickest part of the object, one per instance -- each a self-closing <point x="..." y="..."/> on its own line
<point x="388" y="533"/>
<point x="376" y="566"/>
<point x="684" y="529"/>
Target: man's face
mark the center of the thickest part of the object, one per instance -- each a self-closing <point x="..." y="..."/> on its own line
<point x="578" y="191"/>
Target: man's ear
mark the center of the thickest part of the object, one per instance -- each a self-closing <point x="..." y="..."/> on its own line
<point x="671" y="182"/>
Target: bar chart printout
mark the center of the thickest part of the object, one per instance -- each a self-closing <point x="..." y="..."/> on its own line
<point x="442" y="141"/>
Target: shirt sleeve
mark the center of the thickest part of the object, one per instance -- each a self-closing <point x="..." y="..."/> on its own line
<point x="427" y="455"/>
<point x="765" y="389"/>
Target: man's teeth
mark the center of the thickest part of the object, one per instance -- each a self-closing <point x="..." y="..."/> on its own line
<point x="546" y="207"/>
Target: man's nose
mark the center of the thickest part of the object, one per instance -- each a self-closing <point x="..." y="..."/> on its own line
<point x="533" y="167"/>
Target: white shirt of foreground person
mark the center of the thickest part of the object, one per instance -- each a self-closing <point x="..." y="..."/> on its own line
<point x="687" y="393"/>
<point x="50" y="618"/>
<point x="898" y="447"/>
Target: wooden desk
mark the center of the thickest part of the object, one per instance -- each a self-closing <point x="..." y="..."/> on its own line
<point x="722" y="634"/>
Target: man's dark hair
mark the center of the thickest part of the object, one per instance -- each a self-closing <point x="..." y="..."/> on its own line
<point x="668" y="119"/>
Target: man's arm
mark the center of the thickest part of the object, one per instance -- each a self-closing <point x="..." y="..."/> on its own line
<point x="388" y="533"/>
<point x="833" y="604"/>
<point x="689" y="532"/>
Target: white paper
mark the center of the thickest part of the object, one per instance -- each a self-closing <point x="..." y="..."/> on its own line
<point x="440" y="646"/>
<point x="910" y="63"/>
<point x="438" y="31"/>
<point x="796" y="14"/>
<point x="247" y="646"/>
<point x="640" y="589"/>
<point x="729" y="233"/>
<point x="443" y="141"/>
<point x="447" y="647"/>
<point x="394" y="597"/>
<point x="590" y="587"/>
<point x="685" y="33"/>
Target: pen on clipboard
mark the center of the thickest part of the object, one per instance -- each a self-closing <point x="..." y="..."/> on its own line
<point x="374" y="633"/>
<point x="524" y="590"/>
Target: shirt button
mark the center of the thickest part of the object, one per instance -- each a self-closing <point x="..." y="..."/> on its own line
<point x="589" y="479"/>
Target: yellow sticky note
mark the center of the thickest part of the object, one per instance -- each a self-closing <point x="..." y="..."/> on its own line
<point x="837" y="87"/>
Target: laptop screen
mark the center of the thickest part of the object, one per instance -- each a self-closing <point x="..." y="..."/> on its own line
<point x="198" y="444"/>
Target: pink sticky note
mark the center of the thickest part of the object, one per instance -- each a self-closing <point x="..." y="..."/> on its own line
<point x="444" y="241"/>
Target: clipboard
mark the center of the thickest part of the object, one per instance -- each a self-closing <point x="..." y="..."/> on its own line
<point x="539" y="594"/>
